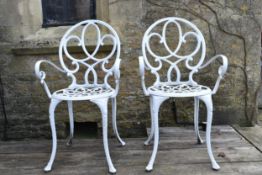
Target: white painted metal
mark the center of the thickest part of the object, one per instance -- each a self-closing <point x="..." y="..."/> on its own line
<point x="156" y="102"/>
<point x="196" y="120"/>
<point x="162" y="90"/>
<point x="102" y="104"/>
<point x="52" y="107"/>
<point x="147" y="142"/>
<point x="114" y="121"/>
<point x="71" y="122"/>
<point x="207" y="99"/>
<point x="96" y="92"/>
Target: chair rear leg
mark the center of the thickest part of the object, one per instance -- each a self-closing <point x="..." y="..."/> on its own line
<point x="114" y="122"/>
<point x="71" y="122"/>
<point x="52" y="107"/>
<point x="196" y="120"/>
<point x="147" y="142"/>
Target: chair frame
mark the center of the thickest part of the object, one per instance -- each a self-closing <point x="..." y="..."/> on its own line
<point x="157" y="98"/>
<point x="100" y="98"/>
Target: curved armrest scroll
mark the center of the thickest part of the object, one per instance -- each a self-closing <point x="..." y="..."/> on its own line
<point x="42" y="75"/>
<point x="142" y="74"/>
<point x="221" y="70"/>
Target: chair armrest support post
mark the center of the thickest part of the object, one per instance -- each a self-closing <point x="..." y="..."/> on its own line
<point x="221" y="70"/>
<point x="116" y="72"/>
<point x="42" y="75"/>
<point x="142" y="74"/>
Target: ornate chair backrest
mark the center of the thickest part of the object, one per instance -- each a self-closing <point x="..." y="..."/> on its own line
<point x="172" y="57"/>
<point x="77" y="33"/>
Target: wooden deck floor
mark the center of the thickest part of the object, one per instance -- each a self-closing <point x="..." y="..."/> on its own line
<point x="178" y="154"/>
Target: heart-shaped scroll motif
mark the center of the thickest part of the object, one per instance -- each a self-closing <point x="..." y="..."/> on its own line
<point x="90" y="60"/>
<point x="170" y="54"/>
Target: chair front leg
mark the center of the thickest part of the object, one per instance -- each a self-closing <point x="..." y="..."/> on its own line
<point x="207" y="99"/>
<point x="114" y="121"/>
<point x="196" y="120"/>
<point x="156" y="102"/>
<point x="52" y="107"/>
<point x="147" y="142"/>
<point x="102" y="104"/>
<point x="71" y="122"/>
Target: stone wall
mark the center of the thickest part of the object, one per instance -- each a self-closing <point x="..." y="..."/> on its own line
<point x="232" y="28"/>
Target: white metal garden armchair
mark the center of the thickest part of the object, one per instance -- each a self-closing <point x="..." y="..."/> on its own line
<point x="173" y="85"/>
<point x="95" y="90"/>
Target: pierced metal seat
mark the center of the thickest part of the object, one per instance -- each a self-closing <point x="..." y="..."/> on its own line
<point x="83" y="93"/>
<point x="178" y="90"/>
<point x="96" y="68"/>
<point x="182" y="57"/>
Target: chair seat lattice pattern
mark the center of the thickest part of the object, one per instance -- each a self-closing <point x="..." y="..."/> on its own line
<point x="179" y="89"/>
<point x="83" y="92"/>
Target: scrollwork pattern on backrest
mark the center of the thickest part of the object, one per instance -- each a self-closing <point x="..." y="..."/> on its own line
<point x="90" y="61"/>
<point x="182" y="38"/>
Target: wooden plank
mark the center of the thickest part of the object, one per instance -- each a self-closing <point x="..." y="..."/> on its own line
<point x="251" y="168"/>
<point x="175" y="137"/>
<point x="131" y="157"/>
<point x="185" y="129"/>
<point x="188" y="131"/>
<point x="80" y="145"/>
<point x="252" y="134"/>
<point x="178" y="154"/>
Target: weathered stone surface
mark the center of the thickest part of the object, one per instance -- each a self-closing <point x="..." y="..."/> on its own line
<point x="232" y="28"/>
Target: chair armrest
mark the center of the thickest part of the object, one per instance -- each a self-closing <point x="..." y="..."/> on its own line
<point x="142" y="74"/>
<point x="116" y="73"/>
<point x="42" y="75"/>
<point x="221" y="70"/>
<point x="117" y="69"/>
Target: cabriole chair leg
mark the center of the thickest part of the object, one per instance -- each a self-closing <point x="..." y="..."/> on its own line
<point x="71" y="122"/>
<point x="196" y="120"/>
<point x="114" y="122"/>
<point x="147" y="142"/>
<point x="102" y="104"/>
<point x="156" y="102"/>
<point x="52" y="107"/>
<point x="207" y="99"/>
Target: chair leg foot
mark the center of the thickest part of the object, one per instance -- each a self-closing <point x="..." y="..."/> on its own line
<point x="112" y="170"/>
<point x="200" y="141"/>
<point x="69" y="142"/>
<point x="123" y="143"/>
<point x="149" y="168"/>
<point x="146" y="143"/>
<point x="149" y="139"/>
<point x="215" y="166"/>
<point x="48" y="168"/>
